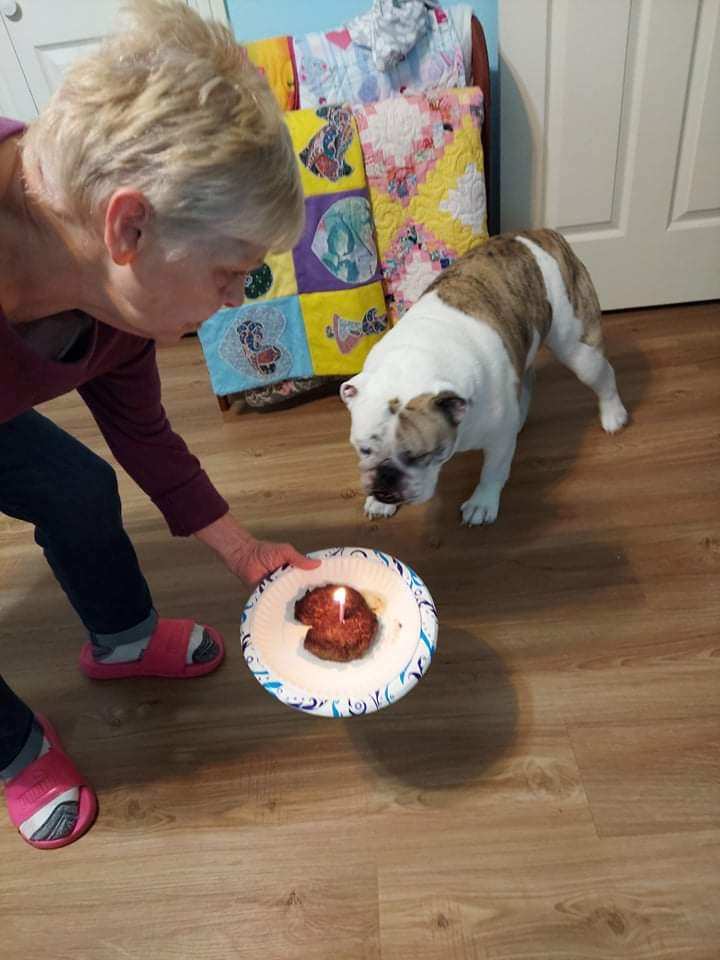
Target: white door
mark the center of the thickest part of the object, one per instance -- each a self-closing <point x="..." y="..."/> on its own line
<point x="39" y="38"/>
<point x="610" y="132"/>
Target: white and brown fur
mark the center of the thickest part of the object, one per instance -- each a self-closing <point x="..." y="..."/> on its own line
<point x="456" y="372"/>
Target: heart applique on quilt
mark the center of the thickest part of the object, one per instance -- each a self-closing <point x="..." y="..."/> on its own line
<point x="252" y="344"/>
<point x="344" y="241"/>
<point x="325" y="153"/>
<point x="341" y="38"/>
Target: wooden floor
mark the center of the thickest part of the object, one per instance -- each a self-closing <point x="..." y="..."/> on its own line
<point x="550" y="791"/>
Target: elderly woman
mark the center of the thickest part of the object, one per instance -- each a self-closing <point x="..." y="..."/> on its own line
<point x="131" y="210"/>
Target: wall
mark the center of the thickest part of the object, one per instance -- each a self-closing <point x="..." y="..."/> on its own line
<point x="254" y="19"/>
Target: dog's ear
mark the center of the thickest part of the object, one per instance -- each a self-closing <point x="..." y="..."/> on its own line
<point x="451" y="405"/>
<point x="349" y="390"/>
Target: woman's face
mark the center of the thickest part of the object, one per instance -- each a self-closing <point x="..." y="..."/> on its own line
<point x="163" y="298"/>
<point x="166" y="299"/>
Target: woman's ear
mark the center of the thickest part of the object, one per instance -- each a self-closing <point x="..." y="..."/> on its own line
<point x="127" y="217"/>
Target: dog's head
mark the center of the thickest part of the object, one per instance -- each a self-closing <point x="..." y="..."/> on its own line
<point x="402" y="446"/>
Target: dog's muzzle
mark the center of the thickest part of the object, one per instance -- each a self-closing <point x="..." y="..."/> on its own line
<point x="388" y="481"/>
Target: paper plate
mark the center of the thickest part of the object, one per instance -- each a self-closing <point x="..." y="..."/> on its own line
<point x="272" y="639"/>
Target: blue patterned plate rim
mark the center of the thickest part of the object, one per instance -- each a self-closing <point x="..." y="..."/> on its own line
<point x="394" y="689"/>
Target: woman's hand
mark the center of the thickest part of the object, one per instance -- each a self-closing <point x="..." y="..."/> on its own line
<point x="264" y="556"/>
<point x="248" y="558"/>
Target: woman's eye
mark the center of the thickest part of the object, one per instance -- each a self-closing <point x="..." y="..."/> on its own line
<point x="228" y="276"/>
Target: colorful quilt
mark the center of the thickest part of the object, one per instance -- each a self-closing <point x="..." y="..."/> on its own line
<point x="317" y="310"/>
<point x="274" y="58"/>
<point x="424" y="164"/>
<point x="331" y="68"/>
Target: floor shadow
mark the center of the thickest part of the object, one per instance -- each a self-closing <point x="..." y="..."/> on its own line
<point x="458" y="721"/>
<point x="563" y="418"/>
<point x="446" y="733"/>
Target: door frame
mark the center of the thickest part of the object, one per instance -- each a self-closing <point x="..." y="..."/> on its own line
<point x="523" y="83"/>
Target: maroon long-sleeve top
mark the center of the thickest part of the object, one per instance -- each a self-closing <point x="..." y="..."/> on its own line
<point x="118" y="379"/>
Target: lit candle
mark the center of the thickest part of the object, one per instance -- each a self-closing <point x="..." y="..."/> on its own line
<point x="339" y="598"/>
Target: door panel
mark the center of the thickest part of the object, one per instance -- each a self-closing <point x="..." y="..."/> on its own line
<point x="614" y="109"/>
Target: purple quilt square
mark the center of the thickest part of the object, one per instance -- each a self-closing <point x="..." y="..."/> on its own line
<point x="337" y="250"/>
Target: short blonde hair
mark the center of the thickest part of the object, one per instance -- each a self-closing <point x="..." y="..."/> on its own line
<point x="171" y="106"/>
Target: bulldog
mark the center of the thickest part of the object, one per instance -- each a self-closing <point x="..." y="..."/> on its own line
<point x="456" y="372"/>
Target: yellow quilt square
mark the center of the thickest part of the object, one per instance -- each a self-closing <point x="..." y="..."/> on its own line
<point x="328" y="149"/>
<point x="274" y="59"/>
<point x="342" y="326"/>
<point x="449" y="201"/>
<point x="389" y="216"/>
<point x="275" y="278"/>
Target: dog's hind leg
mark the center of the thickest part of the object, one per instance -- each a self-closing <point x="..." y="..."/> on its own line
<point x="526" y="392"/>
<point x="575" y="335"/>
<point x="590" y="366"/>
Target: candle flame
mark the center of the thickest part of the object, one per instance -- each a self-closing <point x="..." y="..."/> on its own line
<point x="340" y="595"/>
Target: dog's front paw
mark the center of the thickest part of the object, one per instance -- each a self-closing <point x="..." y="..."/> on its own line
<point x="613" y="415"/>
<point x="375" y="509"/>
<point x="482" y="507"/>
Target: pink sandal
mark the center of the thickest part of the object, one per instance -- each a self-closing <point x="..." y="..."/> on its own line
<point x="164" y="656"/>
<point x="44" y="779"/>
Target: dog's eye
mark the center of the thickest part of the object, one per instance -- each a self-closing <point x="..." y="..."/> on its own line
<point x="415" y="461"/>
<point x="365" y="451"/>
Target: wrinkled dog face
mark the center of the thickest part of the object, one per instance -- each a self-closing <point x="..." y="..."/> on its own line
<point x="401" y="447"/>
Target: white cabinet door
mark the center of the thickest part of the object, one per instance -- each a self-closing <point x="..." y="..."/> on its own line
<point x="39" y="38"/>
<point x="611" y="133"/>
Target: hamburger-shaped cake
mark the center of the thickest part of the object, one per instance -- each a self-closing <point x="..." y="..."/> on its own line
<point x="342" y="625"/>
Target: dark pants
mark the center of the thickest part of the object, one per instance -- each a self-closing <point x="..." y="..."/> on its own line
<point x="70" y="495"/>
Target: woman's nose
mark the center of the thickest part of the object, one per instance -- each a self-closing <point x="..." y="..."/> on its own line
<point x="235" y="301"/>
<point x="235" y="295"/>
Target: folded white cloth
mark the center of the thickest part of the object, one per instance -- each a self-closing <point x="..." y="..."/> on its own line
<point x="391" y="28"/>
<point x="461" y="15"/>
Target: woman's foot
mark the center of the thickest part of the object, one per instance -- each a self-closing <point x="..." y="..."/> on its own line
<point x="175" y="648"/>
<point x="48" y="800"/>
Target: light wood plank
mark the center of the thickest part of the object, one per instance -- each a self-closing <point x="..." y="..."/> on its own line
<point x="575" y="695"/>
<point x="636" y="777"/>
<point x="629" y="899"/>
